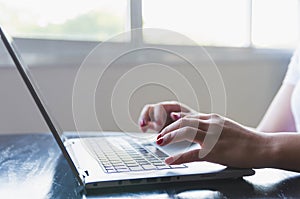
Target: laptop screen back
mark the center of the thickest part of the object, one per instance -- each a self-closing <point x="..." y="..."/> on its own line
<point x="38" y="98"/>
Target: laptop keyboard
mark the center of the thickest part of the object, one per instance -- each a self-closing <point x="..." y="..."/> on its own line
<point x="116" y="154"/>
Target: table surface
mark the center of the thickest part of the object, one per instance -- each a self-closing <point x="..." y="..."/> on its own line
<point x="32" y="166"/>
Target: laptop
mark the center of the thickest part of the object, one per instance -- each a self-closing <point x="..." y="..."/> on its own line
<point x="113" y="159"/>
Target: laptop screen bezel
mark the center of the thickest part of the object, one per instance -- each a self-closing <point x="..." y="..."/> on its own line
<point x="38" y="99"/>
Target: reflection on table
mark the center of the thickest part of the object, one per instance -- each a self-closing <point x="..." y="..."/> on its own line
<point x="31" y="166"/>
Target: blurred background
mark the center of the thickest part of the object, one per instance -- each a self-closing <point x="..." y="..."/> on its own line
<point x="251" y="42"/>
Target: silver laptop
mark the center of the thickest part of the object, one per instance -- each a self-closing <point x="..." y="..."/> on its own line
<point x="113" y="159"/>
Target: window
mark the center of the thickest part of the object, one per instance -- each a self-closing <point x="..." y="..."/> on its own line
<point x="207" y="22"/>
<point x="275" y="23"/>
<point x="61" y="19"/>
<point x="238" y="23"/>
<point x="230" y="23"/>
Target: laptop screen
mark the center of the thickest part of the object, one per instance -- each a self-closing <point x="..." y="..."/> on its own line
<point x="38" y="98"/>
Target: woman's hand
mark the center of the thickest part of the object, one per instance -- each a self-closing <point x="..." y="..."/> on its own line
<point x="157" y="116"/>
<point x="221" y="141"/>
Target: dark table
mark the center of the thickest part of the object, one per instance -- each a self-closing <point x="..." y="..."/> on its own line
<point x="32" y="166"/>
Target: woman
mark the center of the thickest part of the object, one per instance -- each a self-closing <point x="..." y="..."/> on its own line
<point x="274" y="143"/>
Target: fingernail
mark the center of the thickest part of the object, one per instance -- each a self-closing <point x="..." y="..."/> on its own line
<point x="169" y="160"/>
<point x="142" y="123"/>
<point x="176" y="116"/>
<point x="159" y="136"/>
<point x="159" y="141"/>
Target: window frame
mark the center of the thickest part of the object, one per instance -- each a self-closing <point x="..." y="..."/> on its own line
<point x="44" y="48"/>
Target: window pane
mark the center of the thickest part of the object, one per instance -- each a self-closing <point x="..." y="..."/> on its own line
<point x="64" y="19"/>
<point x="275" y="23"/>
<point x="207" y="22"/>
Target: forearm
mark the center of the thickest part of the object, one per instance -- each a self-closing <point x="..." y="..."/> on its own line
<point x="282" y="151"/>
<point x="279" y="117"/>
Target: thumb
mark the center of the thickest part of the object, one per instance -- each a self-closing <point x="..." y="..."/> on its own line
<point x="177" y="115"/>
<point x="186" y="157"/>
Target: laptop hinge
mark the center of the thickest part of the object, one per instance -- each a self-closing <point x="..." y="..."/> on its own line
<point x="83" y="173"/>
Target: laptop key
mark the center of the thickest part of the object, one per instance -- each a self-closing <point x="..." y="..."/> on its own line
<point x="148" y="167"/>
<point x="178" y="166"/>
<point x="110" y="170"/>
<point x="128" y="156"/>
<point x="122" y="170"/>
<point x="163" y="167"/>
<point x="159" y="164"/>
<point x="139" y="168"/>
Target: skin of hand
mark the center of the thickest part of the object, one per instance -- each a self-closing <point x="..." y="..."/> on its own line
<point x="237" y="146"/>
<point x="157" y="116"/>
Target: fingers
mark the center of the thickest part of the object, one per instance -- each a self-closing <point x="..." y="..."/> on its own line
<point x="159" y="116"/>
<point x="153" y="117"/>
<point x="186" y="157"/>
<point x="192" y="128"/>
<point x="152" y="125"/>
<point x="145" y="116"/>
<point x="177" y="115"/>
<point x="186" y="133"/>
<point x="202" y="116"/>
<point x="186" y="122"/>
<point x="173" y="106"/>
<point x="156" y="116"/>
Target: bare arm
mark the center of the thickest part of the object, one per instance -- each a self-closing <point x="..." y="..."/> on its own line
<point x="277" y="149"/>
<point x="279" y="117"/>
<point x="285" y="151"/>
<point x="235" y="145"/>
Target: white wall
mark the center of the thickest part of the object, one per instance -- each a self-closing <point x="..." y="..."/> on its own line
<point x="250" y="86"/>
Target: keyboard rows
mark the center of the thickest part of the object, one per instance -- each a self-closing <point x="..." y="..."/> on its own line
<point x="127" y="157"/>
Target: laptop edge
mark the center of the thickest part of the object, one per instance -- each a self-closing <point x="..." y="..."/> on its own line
<point x="80" y="174"/>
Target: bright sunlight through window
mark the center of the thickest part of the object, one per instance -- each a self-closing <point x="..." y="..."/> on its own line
<point x="228" y="23"/>
<point x="64" y="19"/>
<point x="237" y="23"/>
<point x="275" y="23"/>
<point x="207" y="22"/>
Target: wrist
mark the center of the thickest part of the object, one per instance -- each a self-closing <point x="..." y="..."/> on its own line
<point x="267" y="151"/>
<point x="278" y="149"/>
<point x="284" y="151"/>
